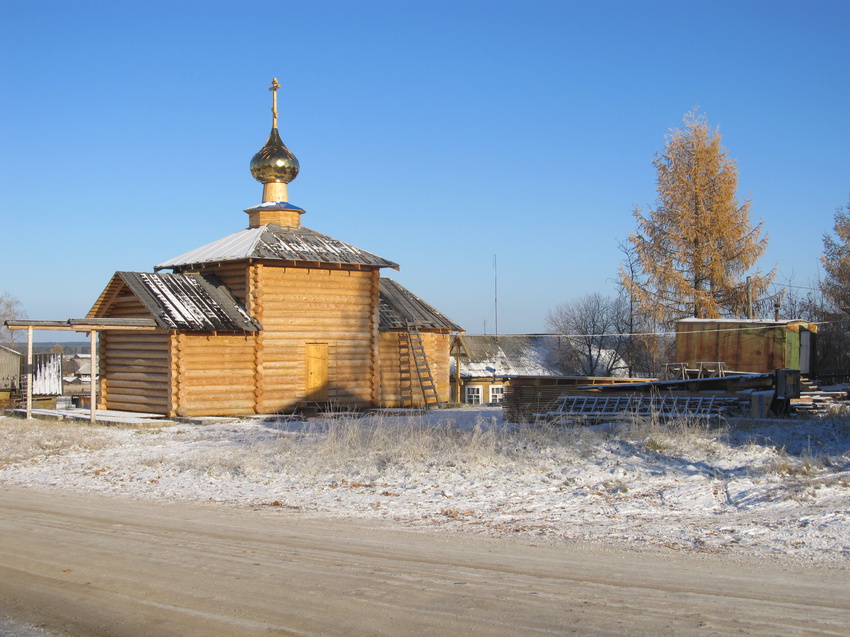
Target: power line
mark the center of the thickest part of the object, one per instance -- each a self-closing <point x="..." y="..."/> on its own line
<point x="767" y="324"/>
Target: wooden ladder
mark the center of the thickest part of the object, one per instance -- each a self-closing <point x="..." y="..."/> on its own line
<point x="405" y="372"/>
<point x="423" y="371"/>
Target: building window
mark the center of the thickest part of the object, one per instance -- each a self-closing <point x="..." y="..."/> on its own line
<point x="473" y="394"/>
<point x="497" y="393"/>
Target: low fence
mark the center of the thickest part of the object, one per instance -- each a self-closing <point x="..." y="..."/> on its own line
<point x="833" y="377"/>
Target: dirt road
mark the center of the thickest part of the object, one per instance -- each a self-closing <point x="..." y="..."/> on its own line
<point x="94" y="565"/>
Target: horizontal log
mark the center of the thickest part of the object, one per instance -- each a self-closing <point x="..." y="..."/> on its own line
<point x="233" y="279"/>
<point x="218" y="384"/>
<point x="278" y="361"/>
<point x="145" y="359"/>
<point x="318" y="322"/>
<point x="128" y="310"/>
<point x="125" y="385"/>
<point x="217" y="376"/>
<point x="202" y="353"/>
<point x="278" y="406"/>
<point x="215" y="398"/>
<point x="197" y="361"/>
<point x="302" y="333"/>
<point x="341" y="300"/>
<point x="218" y="411"/>
<point x="336" y="306"/>
<point x="215" y="406"/>
<point x="314" y="277"/>
<point x="144" y="376"/>
<point x="196" y="349"/>
<point x="216" y="342"/>
<point x="151" y="409"/>
<point x="112" y="381"/>
<point x="217" y="389"/>
<point x="208" y="373"/>
<point x="137" y="399"/>
<point x="136" y="344"/>
<point x="280" y="392"/>
<point x="136" y="365"/>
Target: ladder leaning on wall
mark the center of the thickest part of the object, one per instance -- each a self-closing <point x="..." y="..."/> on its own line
<point x="423" y="370"/>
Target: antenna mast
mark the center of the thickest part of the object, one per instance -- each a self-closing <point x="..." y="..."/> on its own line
<point x="496" y="292"/>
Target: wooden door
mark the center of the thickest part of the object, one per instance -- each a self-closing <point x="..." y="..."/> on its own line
<point x="805" y="351"/>
<point x="316" y="367"/>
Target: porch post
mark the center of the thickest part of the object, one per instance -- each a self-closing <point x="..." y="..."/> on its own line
<point x="29" y="372"/>
<point x="93" y="384"/>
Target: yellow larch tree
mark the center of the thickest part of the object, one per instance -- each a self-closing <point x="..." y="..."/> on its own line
<point x="695" y="247"/>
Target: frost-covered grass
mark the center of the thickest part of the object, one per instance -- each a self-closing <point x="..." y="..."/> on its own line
<point x="22" y="440"/>
<point x="381" y="446"/>
<point x="773" y="487"/>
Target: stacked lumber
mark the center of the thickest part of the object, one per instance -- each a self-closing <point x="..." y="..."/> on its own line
<point x="814" y="401"/>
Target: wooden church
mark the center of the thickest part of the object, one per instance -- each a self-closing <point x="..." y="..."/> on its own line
<point x="270" y="319"/>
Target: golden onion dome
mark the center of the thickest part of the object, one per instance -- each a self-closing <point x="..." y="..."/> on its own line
<point x="274" y="163"/>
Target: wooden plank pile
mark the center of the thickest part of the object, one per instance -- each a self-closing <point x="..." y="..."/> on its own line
<point x="814" y="401"/>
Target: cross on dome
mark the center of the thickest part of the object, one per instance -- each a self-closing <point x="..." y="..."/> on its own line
<point x="273" y="88"/>
<point x="274" y="165"/>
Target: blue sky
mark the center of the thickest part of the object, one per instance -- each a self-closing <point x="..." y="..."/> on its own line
<point x="434" y="134"/>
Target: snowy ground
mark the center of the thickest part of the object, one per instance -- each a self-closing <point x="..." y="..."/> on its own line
<point x="771" y="488"/>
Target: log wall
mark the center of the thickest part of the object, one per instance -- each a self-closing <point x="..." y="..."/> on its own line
<point x="234" y="275"/>
<point x="298" y="306"/>
<point x="126" y="305"/>
<point x="134" y="371"/>
<point x="213" y="374"/>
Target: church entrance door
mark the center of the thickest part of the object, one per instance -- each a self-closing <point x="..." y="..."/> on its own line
<point x="316" y="366"/>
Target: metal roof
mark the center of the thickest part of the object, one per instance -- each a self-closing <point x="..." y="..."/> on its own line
<point x="189" y="302"/>
<point x="279" y="243"/>
<point x="511" y="355"/>
<point x="400" y="307"/>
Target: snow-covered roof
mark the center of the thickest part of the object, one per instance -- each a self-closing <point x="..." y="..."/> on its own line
<point x="182" y="302"/>
<point x="400" y="307"/>
<point x="510" y="355"/>
<point x="84" y="369"/>
<point x="279" y="243"/>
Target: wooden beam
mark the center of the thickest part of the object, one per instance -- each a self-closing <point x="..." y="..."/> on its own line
<point x="38" y="325"/>
<point x="85" y="325"/>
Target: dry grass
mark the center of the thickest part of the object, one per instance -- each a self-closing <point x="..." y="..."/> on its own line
<point x="358" y="447"/>
<point x="22" y="440"/>
<point x="366" y="447"/>
<point x="372" y="447"/>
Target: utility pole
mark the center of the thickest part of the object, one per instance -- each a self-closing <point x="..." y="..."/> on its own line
<point x="749" y="299"/>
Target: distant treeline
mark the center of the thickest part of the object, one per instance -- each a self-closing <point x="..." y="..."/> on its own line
<point x="69" y="347"/>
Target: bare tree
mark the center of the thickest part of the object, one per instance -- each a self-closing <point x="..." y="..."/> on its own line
<point x="693" y="249"/>
<point x="646" y="348"/>
<point x="10" y="309"/>
<point x="596" y="337"/>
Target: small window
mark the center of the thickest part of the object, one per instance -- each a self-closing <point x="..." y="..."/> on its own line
<point x="473" y="395"/>
<point x="497" y="393"/>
